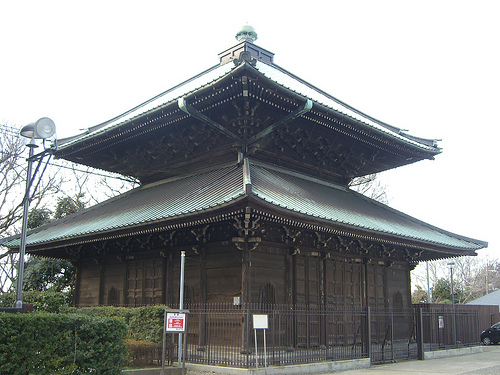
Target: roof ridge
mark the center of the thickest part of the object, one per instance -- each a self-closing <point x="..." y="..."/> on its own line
<point x="330" y="96"/>
<point x="298" y="200"/>
<point x="430" y="144"/>
<point x="102" y="125"/>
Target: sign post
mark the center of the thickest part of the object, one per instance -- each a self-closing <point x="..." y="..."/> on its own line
<point x="441" y="329"/>
<point x="260" y="321"/>
<point x="174" y="321"/>
<point x="441" y="322"/>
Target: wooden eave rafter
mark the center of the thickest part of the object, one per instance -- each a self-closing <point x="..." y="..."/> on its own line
<point x="272" y="213"/>
<point x="243" y="83"/>
<point x="417" y="250"/>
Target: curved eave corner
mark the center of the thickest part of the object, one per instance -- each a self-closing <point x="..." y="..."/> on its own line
<point x="329" y="205"/>
<point x="289" y="82"/>
<point x="206" y="78"/>
<point x="148" y="206"/>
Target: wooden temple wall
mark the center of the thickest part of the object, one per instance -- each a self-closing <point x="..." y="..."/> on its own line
<point x="268" y="274"/>
<point x="264" y="275"/>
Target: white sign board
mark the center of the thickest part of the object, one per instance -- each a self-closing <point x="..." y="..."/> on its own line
<point x="260" y="321"/>
<point x="441" y="322"/>
<point x="176" y="322"/>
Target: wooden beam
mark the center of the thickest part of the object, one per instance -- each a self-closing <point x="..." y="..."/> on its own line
<point x="206" y="120"/>
<point x="278" y="124"/>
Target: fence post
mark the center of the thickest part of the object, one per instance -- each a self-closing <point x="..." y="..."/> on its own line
<point x="420" y="333"/>
<point x="369" y="333"/>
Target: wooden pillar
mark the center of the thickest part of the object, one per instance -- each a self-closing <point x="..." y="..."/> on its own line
<point x="164" y="279"/>
<point x="408" y="288"/>
<point x="366" y="296"/>
<point x="387" y="302"/>
<point x="288" y="279"/>
<point x="323" y="330"/>
<point x="170" y="295"/>
<point x="245" y="275"/>
<point x="202" y="337"/>
<point x="124" y="300"/>
<point x="245" y="298"/>
<point x="78" y="280"/>
<point x="102" y="269"/>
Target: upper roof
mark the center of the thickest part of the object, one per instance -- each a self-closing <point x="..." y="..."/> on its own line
<point x="273" y="107"/>
<point x="286" y="193"/>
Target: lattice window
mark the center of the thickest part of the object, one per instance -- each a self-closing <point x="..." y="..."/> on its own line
<point x="397" y="299"/>
<point x="267" y="295"/>
<point x="144" y="282"/>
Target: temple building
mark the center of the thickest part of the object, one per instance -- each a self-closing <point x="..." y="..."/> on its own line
<point x="245" y="167"/>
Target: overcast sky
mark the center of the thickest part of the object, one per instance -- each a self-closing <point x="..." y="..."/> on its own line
<point x="431" y="67"/>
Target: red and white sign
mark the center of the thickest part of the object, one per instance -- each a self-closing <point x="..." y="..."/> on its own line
<point x="441" y="322"/>
<point x="176" y="322"/>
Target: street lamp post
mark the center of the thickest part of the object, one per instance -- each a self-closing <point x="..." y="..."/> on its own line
<point x="451" y="264"/>
<point x="42" y="129"/>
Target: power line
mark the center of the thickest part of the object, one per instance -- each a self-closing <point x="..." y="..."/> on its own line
<point x="6" y="129"/>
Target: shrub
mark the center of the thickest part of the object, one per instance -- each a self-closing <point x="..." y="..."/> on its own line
<point x="51" y="302"/>
<point x="61" y="344"/>
<point x="144" y="323"/>
<point x="147" y="324"/>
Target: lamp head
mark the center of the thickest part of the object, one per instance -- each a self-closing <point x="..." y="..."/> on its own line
<point x="42" y="129"/>
<point x="451" y="264"/>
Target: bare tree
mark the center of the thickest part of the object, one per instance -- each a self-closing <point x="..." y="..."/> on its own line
<point x="13" y="180"/>
<point x="93" y="184"/>
<point x="60" y="180"/>
<point x="13" y="167"/>
<point x="473" y="277"/>
<point x="8" y="271"/>
<point x="371" y="187"/>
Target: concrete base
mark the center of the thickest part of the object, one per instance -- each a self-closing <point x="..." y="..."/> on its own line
<point x="452" y="352"/>
<point x="309" y="368"/>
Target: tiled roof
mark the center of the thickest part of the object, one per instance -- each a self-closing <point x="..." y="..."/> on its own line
<point x="274" y="73"/>
<point x="287" y="191"/>
<point x="289" y="81"/>
<point x="146" y="204"/>
<point x="341" y="205"/>
<point x="176" y="92"/>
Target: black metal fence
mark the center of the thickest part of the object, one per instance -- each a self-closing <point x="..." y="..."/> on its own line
<point x="446" y="327"/>
<point x="223" y="334"/>
<point x="393" y="335"/>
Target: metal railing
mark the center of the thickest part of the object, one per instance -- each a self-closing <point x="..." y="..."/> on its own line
<point x="445" y="328"/>
<point x="393" y="335"/>
<point x="222" y="334"/>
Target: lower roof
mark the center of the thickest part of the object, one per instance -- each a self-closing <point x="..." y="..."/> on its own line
<point x="286" y="192"/>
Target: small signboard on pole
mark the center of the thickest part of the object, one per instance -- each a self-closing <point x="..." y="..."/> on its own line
<point x="260" y="321"/>
<point x="174" y="321"/>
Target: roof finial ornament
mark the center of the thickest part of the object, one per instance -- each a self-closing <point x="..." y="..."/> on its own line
<point x="246" y="34"/>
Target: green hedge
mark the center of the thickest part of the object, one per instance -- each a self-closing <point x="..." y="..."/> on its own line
<point x="51" y="302"/>
<point x="61" y="344"/>
<point x="144" y="323"/>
